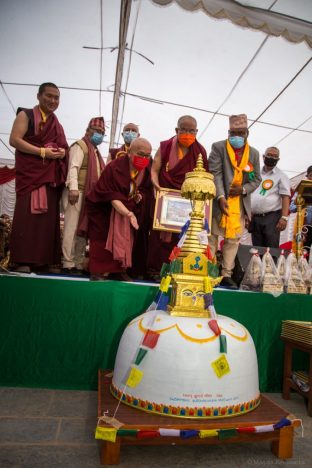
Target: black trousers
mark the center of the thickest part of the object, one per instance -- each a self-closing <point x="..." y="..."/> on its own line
<point x="263" y="229"/>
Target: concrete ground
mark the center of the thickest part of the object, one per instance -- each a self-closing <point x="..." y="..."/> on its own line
<point x="55" y="428"/>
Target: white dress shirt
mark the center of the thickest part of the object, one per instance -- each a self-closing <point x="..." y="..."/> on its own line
<point x="271" y="199"/>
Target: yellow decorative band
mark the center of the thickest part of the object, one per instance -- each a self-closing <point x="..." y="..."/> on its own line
<point x="191" y="338"/>
<point x="186" y="412"/>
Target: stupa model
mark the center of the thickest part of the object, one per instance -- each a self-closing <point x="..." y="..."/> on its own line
<point x="180" y="358"/>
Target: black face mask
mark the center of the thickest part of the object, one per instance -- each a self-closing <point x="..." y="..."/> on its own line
<point x="270" y="162"/>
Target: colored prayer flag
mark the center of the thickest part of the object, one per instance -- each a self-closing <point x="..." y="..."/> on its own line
<point x="221" y="366"/>
<point x="106" y="433"/>
<point x="165" y="283"/>
<point x="135" y="377"/>
<point x="189" y="434"/>
<point x="246" y="429"/>
<point x="127" y="432"/>
<point x="150" y="339"/>
<point x="227" y="433"/>
<point x="223" y="344"/>
<point x="147" y="434"/>
<point x="141" y="353"/>
<point x="208" y="433"/>
<point x="164" y="269"/>
<point x="174" y="253"/>
<point x="169" y="432"/>
<point x="282" y="423"/>
<point x="213" y="325"/>
<point x="264" y="428"/>
<point x="163" y="302"/>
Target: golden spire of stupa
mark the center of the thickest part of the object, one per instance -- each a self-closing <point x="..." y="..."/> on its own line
<point x="198" y="187"/>
<point x="192" y="286"/>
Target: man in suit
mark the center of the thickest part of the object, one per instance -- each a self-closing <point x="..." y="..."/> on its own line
<point x="236" y="169"/>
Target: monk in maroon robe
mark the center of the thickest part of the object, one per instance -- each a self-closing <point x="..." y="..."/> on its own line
<point x="40" y="164"/>
<point x="118" y="214"/>
<point x="130" y="132"/>
<point x="174" y="158"/>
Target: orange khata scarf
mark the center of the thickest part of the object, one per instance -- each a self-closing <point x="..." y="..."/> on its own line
<point x="231" y="223"/>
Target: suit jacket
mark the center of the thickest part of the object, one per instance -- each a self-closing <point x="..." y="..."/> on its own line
<point x="221" y="168"/>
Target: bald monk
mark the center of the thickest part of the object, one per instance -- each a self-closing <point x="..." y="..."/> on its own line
<point x="118" y="214"/>
<point x="129" y="133"/>
<point x="174" y="158"/>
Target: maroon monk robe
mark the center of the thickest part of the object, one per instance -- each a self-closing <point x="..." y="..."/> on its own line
<point x="92" y="177"/>
<point x="117" y="152"/>
<point x="35" y="238"/>
<point x="114" y="184"/>
<point x="158" y="249"/>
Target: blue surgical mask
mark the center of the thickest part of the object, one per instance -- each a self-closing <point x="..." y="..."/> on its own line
<point x="129" y="135"/>
<point x="237" y="141"/>
<point x="97" y="139"/>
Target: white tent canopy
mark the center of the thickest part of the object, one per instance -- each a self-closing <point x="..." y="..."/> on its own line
<point x="258" y="15"/>
<point x="181" y="63"/>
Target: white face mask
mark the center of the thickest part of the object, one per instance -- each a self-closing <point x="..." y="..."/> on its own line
<point x="129" y="135"/>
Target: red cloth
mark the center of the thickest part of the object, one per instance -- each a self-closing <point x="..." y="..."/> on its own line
<point x="6" y="175"/>
<point x="39" y="201"/>
<point x="114" y="184"/>
<point x="160" y="249"/>
<point x="120" y="239"/>
<point x="91" y="180"/>
<point x="32" y="171"/>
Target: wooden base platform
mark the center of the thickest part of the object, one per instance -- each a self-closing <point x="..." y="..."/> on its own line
<point x="267" y="413"/>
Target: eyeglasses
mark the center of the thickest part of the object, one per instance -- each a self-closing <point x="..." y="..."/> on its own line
<point x="187" y="130"/>
<point x="268" y="155"/>
<point x="242" y="133"/>
<point x="143" y="155"/>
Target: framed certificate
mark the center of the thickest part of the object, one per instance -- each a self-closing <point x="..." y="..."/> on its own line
<point x="172" y="211"/>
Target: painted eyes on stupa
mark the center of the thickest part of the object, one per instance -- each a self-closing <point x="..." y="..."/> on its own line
<point x="200" y="294"/>
<point x="189" y="293"/>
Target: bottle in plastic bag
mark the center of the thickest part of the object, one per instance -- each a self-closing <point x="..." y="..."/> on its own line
<point x="270" y="279"/>
<point x="252" y="277"/>
<point x="294" y="282"/>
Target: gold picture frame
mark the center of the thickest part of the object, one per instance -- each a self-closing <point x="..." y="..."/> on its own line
<point x="172" y="211"/>
<point x="305" y="190"/>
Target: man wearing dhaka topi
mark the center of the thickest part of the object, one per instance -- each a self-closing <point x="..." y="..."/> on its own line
<point x="236" y="170"/>
<point x="40" y="164"/>
<point x="84" y="169"/>
<point x="174" y="158"/>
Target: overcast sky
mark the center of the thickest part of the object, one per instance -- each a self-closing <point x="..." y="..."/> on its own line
<point x="196" y="59"/>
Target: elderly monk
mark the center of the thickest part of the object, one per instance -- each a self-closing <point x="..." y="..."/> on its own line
<point x="84" y="169"/>
<point x="174" y="158"/>
<point x="129" y="133"/>
<point x="118" y="211"/>
<point x="40" y="165"/>
<point x="236" y="170"/>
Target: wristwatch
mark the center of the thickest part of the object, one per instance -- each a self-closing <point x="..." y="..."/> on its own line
<point x="285" y="218"/>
